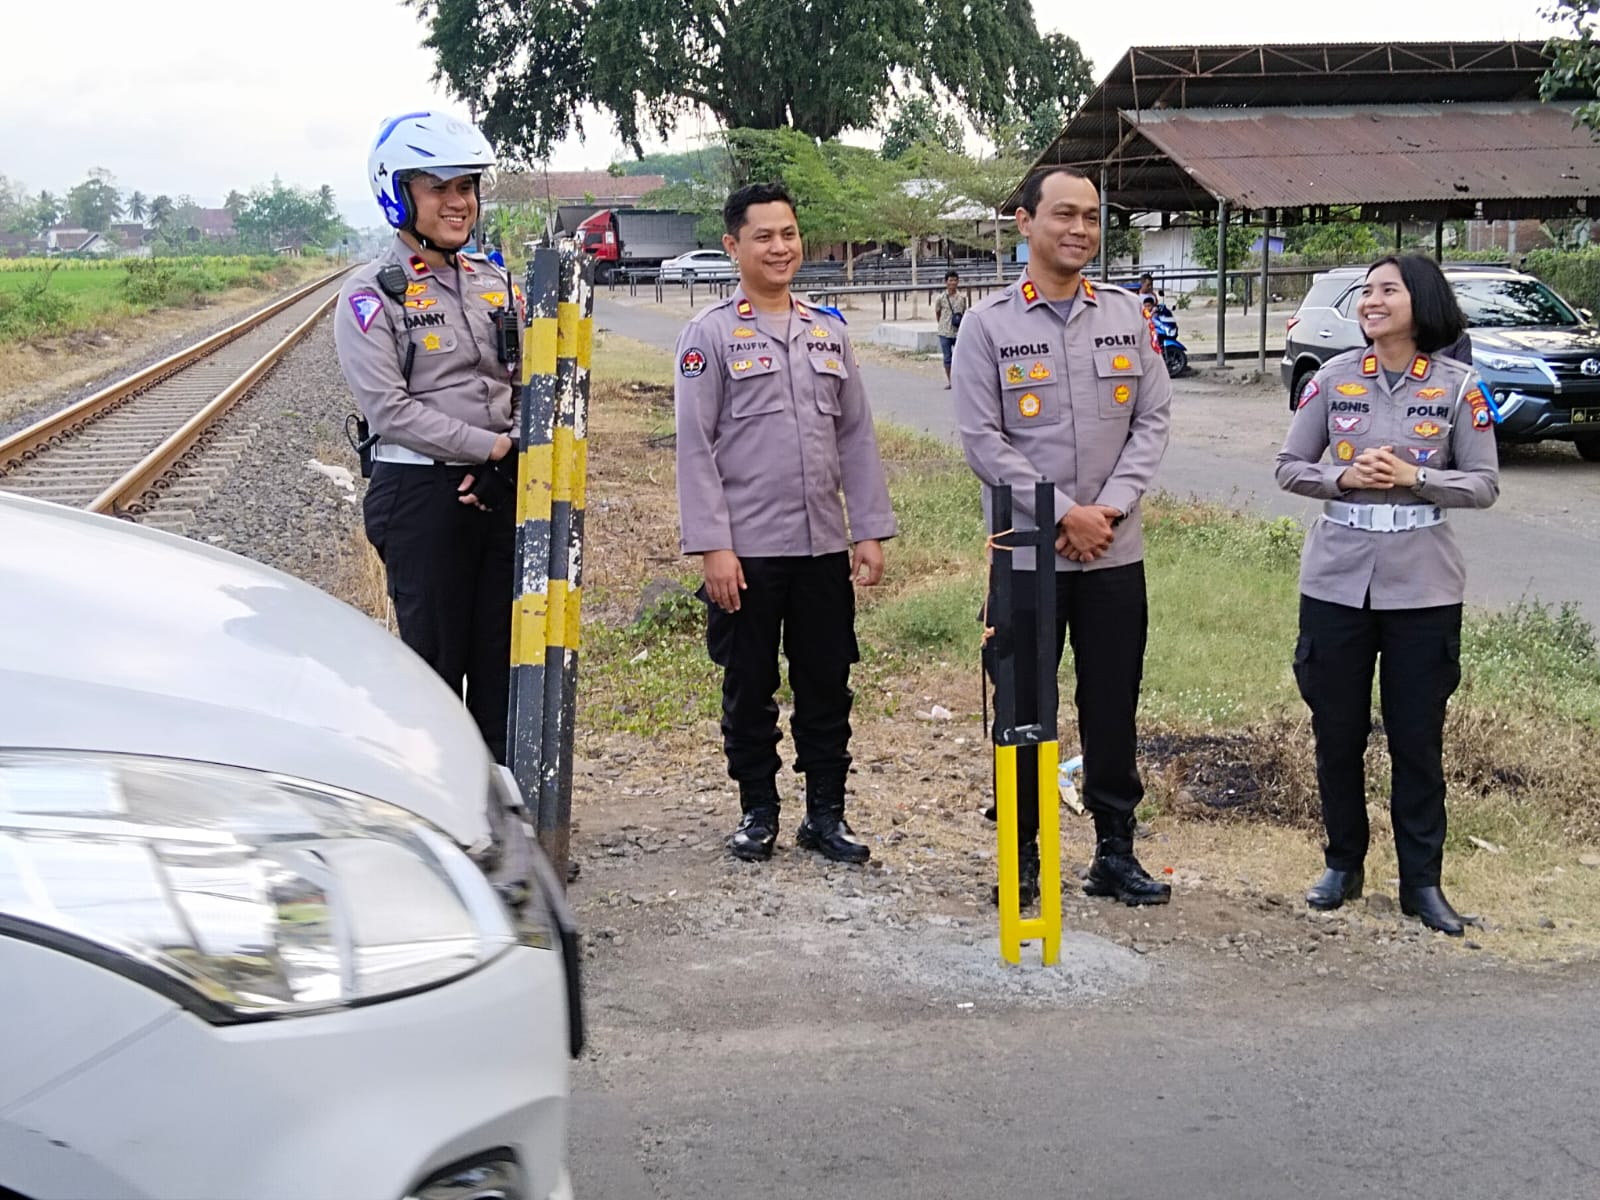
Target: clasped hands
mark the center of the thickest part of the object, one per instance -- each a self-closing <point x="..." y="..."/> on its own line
<point x="1378" y="468"/>
<point x="1086" y="532"/>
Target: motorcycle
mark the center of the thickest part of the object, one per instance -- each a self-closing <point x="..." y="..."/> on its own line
<point x="1164" y="328"/>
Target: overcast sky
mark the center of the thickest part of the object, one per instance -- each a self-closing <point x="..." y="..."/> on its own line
<point x="185" y="96"/>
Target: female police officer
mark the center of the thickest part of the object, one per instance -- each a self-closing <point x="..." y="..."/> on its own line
<point x="1381" y="578"/>
<point x="419" y="332"/>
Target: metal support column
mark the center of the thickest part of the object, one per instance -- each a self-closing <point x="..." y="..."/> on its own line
<point x="1105" y="229"/>
<point x="1438" y="241"/>
<point x="1222" y="281"/>
<point x="1265" y="297"/>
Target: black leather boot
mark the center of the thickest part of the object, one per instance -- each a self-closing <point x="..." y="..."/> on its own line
<point x="1429" y="906"/>
<point x="1027" y="877"/>
<point x="1335" y="887"/>
<point x="1116" y="872"/>
<point x="758" y="830"/>
<point x="824" y="829"/>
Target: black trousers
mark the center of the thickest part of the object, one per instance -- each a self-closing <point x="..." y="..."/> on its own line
<point x="1418" y="654"/>
<point x="808" y="606"/>
<point x="449" y="568"/>
<point x="1108" y="618"/>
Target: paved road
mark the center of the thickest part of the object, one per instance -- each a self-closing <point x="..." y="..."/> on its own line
<point x="1472" y="1086"/>
<point x="1540" y="540"/>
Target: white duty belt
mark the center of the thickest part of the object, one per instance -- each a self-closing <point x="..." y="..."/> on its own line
<point x="390" y="453"/>
<point x="1383" y="518"/>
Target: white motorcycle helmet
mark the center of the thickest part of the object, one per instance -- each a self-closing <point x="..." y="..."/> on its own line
<point x="431" y="142"/>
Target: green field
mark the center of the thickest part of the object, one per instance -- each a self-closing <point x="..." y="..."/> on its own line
<point x="40" y="298"/>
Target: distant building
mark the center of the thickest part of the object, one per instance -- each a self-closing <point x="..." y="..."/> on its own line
<point x="64" y="239"/>
<point x="552" y="189"/>
<point x="21" y="245"/>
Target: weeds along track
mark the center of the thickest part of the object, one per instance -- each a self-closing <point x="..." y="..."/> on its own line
<point x="133" y="444"/>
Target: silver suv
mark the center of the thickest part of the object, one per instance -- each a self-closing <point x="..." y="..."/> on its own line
<point x="1539" y="356"/>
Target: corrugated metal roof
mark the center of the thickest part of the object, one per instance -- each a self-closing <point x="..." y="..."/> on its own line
<point x="1295" y="157"/>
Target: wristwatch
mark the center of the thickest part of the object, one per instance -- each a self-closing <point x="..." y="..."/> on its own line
<point x="1422" y="479"/>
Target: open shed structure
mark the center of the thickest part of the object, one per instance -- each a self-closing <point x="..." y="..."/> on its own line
<point x="1283" y="134"/>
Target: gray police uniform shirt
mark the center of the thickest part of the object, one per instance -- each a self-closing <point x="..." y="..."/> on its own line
<point x="1084" y="403"/>
<point x="461" y="397"/>
<point x="1437" y="417"/>
<point x="772" y="423"/>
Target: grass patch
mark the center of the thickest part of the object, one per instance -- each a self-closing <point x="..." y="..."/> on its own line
<point x="39" y="299"/>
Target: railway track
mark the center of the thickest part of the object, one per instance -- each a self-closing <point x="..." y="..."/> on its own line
<point x="138" y="442"/>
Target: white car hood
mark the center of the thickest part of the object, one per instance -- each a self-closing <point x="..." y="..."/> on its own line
<point x="117" y="638"/>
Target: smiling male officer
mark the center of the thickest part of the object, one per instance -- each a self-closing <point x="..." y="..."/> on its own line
<point x="772" y="423"/>
<point x="1055" y="379"/>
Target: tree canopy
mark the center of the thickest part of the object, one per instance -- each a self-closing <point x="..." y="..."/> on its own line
<point x="1576" y="59"/>
<point x="919" y="121"/>
<point x="822" y="67"/>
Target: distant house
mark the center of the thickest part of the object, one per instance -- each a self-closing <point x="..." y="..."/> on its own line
<point x="553" y="189"/>
<point x="213" y="222"/>
<point x="67" y="240"/>
<point x="129" y="237"/>
<point x="21" y="245"/>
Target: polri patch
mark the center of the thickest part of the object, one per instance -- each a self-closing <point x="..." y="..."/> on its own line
<point x="692" y="363"/>
<point x="366" y="305"/>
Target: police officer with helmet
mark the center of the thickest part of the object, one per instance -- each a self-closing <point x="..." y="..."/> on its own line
<point x="1408" y="435"/>
<point x="772" y="426"/>
<point x="1056" y="379"/>
<point x="427" y="335"/>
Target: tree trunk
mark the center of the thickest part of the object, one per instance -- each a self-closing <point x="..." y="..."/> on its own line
<point x="999" y="269"/>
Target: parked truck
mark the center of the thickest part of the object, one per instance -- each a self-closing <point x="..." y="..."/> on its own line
<point x="636" y="237"/>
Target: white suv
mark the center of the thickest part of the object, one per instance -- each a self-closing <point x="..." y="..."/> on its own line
<point x="270" y="921"/>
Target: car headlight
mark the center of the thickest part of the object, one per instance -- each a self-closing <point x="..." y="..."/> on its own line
<point x="1505" y="362"/>
<point x="242" y="895"/>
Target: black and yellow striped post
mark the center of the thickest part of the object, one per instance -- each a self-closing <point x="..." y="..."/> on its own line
<point x="535" y="486"/>
<point x="570" y="462"/>
<point x="1038" y="739"/>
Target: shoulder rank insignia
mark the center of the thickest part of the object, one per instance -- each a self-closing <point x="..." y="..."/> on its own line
<point x="1030" y="294"/>
<point x="419" y="266"/>
<point x="805" y="313"/>
<point x="1088" y="291"/>
<point x="1369" y="365"/>
<point x="745" y="309"/>
<point x="1419" y="367"/>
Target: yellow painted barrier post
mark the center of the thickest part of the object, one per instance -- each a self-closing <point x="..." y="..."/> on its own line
<point x="1038" y="739"/>
<point x="535" y="480"/>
